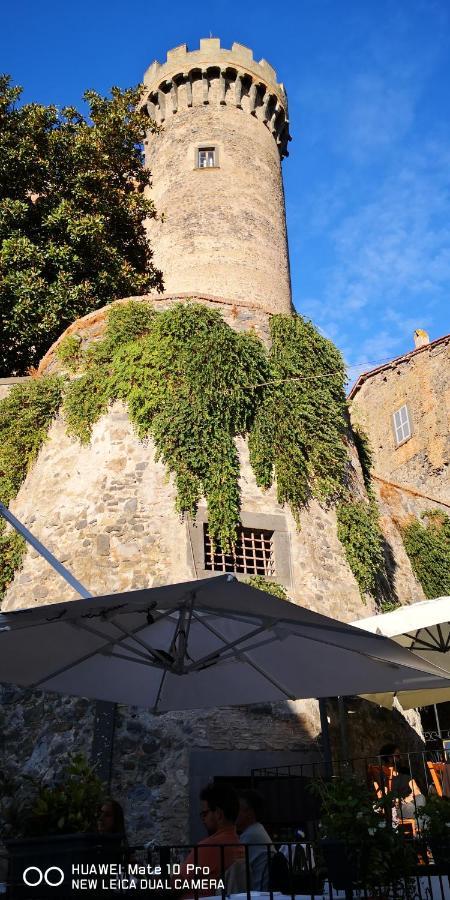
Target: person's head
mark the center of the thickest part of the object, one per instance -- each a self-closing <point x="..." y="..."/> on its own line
<point x="110" y="817"/>
<point x="389" y="754"/>
<point x="219" y="806"/>
<point x="251" y="806"/>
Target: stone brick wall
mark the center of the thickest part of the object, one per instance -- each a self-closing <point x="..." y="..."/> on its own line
<point x="420" y="380"/>
<point x="107" y="511"/>
<point x="413" y="477"/>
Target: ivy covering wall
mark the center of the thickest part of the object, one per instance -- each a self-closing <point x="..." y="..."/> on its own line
<point x="193" y="384"/>
<point x="427" y="544"/>
<point x="359" y="533"/>
<point x="25" y="416"/>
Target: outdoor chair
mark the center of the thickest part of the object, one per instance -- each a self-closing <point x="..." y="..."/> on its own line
<point x="409" y="827"/>
<point x="437" y="770"/>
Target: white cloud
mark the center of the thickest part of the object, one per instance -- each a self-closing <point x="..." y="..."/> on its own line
<point x="391" y="260"/>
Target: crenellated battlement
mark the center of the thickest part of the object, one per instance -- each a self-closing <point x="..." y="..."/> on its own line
<point x="214" y="74"/>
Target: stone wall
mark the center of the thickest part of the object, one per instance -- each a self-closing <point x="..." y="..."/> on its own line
<point x="107" y="510"/>
<point x="231" y="241"/>
<point x="421" y="381"/>
<point x="413" y="477"/>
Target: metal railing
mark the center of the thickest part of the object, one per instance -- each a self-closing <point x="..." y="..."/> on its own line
<point x="416" y="775"/>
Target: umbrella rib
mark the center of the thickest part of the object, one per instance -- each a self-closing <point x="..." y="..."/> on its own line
<point x="81" y="659"/>
<point x="158" y="695"/>
<point x="156" y="618"/>
<point x="81" y="627"/>
<point x="441" y="638"/>
<point x="419" y="642"/>
<point x="107" y="643"/>
<point x="228" y="645"/>
<point x="130" y="634"/>
<point x="143" y="662"/>
<point x="241" y="655"/>
<point x="229" y="654"/>
<point x="149" y="650"/>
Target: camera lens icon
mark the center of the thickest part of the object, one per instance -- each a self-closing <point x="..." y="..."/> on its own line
<point x="33" y="876"/>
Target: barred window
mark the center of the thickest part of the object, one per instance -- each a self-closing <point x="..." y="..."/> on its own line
<point x="402" y="424"/>
<point x="206" y="157"/>
<point x="253" y="553"/>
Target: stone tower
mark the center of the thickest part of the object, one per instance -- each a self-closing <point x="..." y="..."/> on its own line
<point x="216" y="176"/>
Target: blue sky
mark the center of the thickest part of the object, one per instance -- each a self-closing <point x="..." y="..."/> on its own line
<point x="368" y="176"/>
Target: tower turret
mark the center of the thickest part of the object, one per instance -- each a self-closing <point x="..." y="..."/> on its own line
<point x="216" y="172"/>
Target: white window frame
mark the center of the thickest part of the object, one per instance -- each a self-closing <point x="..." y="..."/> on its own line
<point x="402" y="425"/>
<point x="211" y="161"/>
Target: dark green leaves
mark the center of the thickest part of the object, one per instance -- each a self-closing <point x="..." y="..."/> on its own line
<point x="428" y="548"/>
<point x="298" y="436"/>
<point x="359" y="533"/>
<point x="25" y="416"/>
<point x="187" y="379"/>
<point x="72" y="207"/>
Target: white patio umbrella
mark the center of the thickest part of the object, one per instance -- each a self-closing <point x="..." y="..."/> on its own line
<point x="423" y="628"/>
<point x="205" y="643"/>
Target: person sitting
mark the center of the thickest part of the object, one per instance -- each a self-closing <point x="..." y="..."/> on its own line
<point x="252" y="832"/>
<point x="217" y="852"/>
<point x="407" y="794"/>
<point x="111" y="819"/>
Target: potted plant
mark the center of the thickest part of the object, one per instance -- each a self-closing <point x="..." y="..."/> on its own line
<point x="54" y="827"/>
<point x="435" y="817"/>
<point x="358" y="843"/>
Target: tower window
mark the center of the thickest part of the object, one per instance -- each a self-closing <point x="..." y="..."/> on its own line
<point x="402" y="425"/>
<point x="206" y="157"/>
<point x="253" y="553"/>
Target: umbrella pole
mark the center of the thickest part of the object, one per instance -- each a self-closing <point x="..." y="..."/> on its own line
<point x="45" y="552"/>
<point x="343" y="732"/>
<point x="438" y="724"/>
<point x="326" y="745"/>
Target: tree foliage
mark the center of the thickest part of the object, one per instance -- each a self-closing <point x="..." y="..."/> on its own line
<point x="72" y="209"/>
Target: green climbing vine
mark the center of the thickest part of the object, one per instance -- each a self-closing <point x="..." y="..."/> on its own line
<point x="270" y="587"/>
<point x="193" y="384"/>
<point x="68" y="352"/>
<point x="428" y="547"/>
<point x="298" y="434"/>
<point x="359" y="533"/>
<point x="188" y="380"/>
<point x="364" y="451"/>
<point x="25" y="416"/>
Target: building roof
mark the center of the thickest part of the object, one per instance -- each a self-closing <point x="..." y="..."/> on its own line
<point x="393" y="362"/>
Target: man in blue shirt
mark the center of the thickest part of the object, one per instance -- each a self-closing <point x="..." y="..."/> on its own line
<point x="252" y="832"/>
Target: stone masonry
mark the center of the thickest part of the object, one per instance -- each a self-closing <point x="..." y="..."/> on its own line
<point x="420" y="380"/>
<point x="221" y="229"/>
<point x="107" y="510"/>
<point x="410" y="477"/>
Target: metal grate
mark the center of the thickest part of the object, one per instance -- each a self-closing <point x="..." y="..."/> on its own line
<point x="252" y="553"/>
